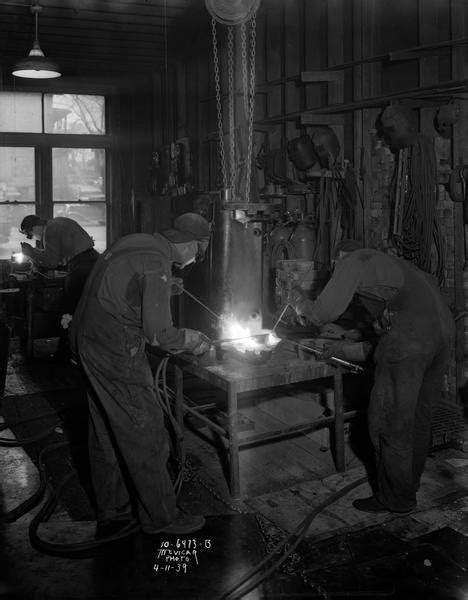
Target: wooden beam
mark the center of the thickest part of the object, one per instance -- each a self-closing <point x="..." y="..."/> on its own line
<point x="322" y="76"/>
<point x="61" y="24"/>
<point x="445" y="89"/>
<point x="69" y="35"/>
<point x="310" y="118"/>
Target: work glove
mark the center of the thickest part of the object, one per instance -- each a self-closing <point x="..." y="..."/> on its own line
<point x="196" y="342"/>
<point x="298" y="300"/>
<point x="66" y="320"/>
<point x="303" y="306"/>
<point x="334" y="349"/>
<point x="177" y="287"/>
<point x="26" y="249"/>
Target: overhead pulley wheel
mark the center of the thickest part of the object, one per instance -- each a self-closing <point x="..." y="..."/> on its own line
<point x="232" y="12"/>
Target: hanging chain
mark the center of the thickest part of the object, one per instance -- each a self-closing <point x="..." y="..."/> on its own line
<point x="218" y="104"/>
<point x="248" y="84"/>
<point x="191" y="474"/>
<point x="232" y="141"/>
<point x="245" y="91"/>
<point x="251" y="106"/>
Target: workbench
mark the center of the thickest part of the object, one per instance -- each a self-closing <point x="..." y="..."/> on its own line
<point x="235" y="378"/>
<point x="38" y="305"/>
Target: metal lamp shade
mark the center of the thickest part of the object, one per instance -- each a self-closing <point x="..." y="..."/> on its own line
<point x="36" y="66"/>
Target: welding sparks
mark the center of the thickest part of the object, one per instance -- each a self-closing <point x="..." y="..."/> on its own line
<point x="18" y="257"/>
<point x="248" y="336"/>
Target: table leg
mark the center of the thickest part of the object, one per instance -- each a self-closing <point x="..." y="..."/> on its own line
<point x="339" y="420"/>
<point x="179" y="395"/>
<point x="233" y="442"/>
<point x="29" y="323"/>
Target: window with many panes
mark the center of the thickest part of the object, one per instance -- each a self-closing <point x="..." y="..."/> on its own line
<point x="53" y="153"/>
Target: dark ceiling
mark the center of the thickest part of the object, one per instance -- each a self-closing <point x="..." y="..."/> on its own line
<point x="129" y="35"/>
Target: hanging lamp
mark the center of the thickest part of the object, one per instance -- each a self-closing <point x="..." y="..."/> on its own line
<point x="36" y="65"/>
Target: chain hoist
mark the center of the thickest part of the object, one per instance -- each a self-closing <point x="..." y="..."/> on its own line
<point x="218" y="103"/>
<point x="251" y="106"/>
<point x="232" y="139"/>
<point x="248" y="89"/>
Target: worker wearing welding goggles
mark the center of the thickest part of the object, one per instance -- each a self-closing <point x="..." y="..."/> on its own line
<point x="126" y="305"/>
<point x="415" y="331"/>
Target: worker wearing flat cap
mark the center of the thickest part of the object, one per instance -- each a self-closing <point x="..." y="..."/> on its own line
<point x="415" y="330"/>
<point x="63" y="243"/>
<point x="126" y="305"/>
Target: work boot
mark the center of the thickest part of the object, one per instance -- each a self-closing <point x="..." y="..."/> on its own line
<point x="370" y="505"/>
<point x="111" y="527"/>
<point x="183" y="524"/>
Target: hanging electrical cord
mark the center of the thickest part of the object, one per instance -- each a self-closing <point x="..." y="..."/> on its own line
<point x="418" y="236"/>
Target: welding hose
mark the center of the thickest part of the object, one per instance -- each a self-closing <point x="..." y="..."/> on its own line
<point x="76" y="549"/>
<point x="13" y="442"/>
<point x="163" y="394"/>
<point x="289" y="544"/>
<point x="30" y="502"/>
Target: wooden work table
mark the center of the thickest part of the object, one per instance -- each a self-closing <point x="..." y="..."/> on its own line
<point x="235" y="377"/>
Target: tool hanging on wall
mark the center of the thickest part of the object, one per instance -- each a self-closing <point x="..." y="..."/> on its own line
<point x="458" y="191"/>
<point x="332" y="181"/>
<point x="416" y="232"/>
<point x="446" y="116"/>
<point x="233" y="14"/>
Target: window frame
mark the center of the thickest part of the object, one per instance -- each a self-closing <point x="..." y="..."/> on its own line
<point x="43" y="144"/>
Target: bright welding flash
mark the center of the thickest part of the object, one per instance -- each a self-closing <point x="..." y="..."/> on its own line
<point x="17" y="257"/>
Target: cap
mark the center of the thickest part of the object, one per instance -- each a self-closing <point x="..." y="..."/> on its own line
<point x="28" y="223"/>
<point x="187" y="228"/>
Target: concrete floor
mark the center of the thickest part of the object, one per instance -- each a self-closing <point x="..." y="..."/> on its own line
<point x="232" y="541"/>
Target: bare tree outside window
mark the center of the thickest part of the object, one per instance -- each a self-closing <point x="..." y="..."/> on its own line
<point x="74" y="114"/>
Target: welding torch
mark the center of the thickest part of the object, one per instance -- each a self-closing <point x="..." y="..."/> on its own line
<point x="354" y="368"/>
<point x="334" y="360"/>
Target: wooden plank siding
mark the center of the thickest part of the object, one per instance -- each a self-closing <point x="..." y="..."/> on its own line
<point x="299" y="35"/>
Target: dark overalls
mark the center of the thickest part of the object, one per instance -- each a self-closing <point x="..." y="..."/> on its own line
<point x="410" y="361"/>
<point x="411" y="355"/>
<point x="128" y="441"/>
<point x="78" y="269"/>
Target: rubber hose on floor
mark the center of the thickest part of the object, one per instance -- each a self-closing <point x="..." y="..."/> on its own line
<point x="242" y="587"/>
<point x="75" y="550"/>
<point x="30" y="502"/>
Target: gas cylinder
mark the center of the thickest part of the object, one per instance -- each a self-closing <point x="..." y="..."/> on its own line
<point x="304" y="241"/>
<point x="281" y="234"/>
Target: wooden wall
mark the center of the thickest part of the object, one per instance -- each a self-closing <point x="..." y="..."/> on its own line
<point x="382" y="48"/>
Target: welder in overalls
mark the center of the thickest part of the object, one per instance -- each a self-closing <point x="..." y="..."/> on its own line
<point x="66" y="244"/>
<point x="415" y="331"/>
<point x="125" y="305"/>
